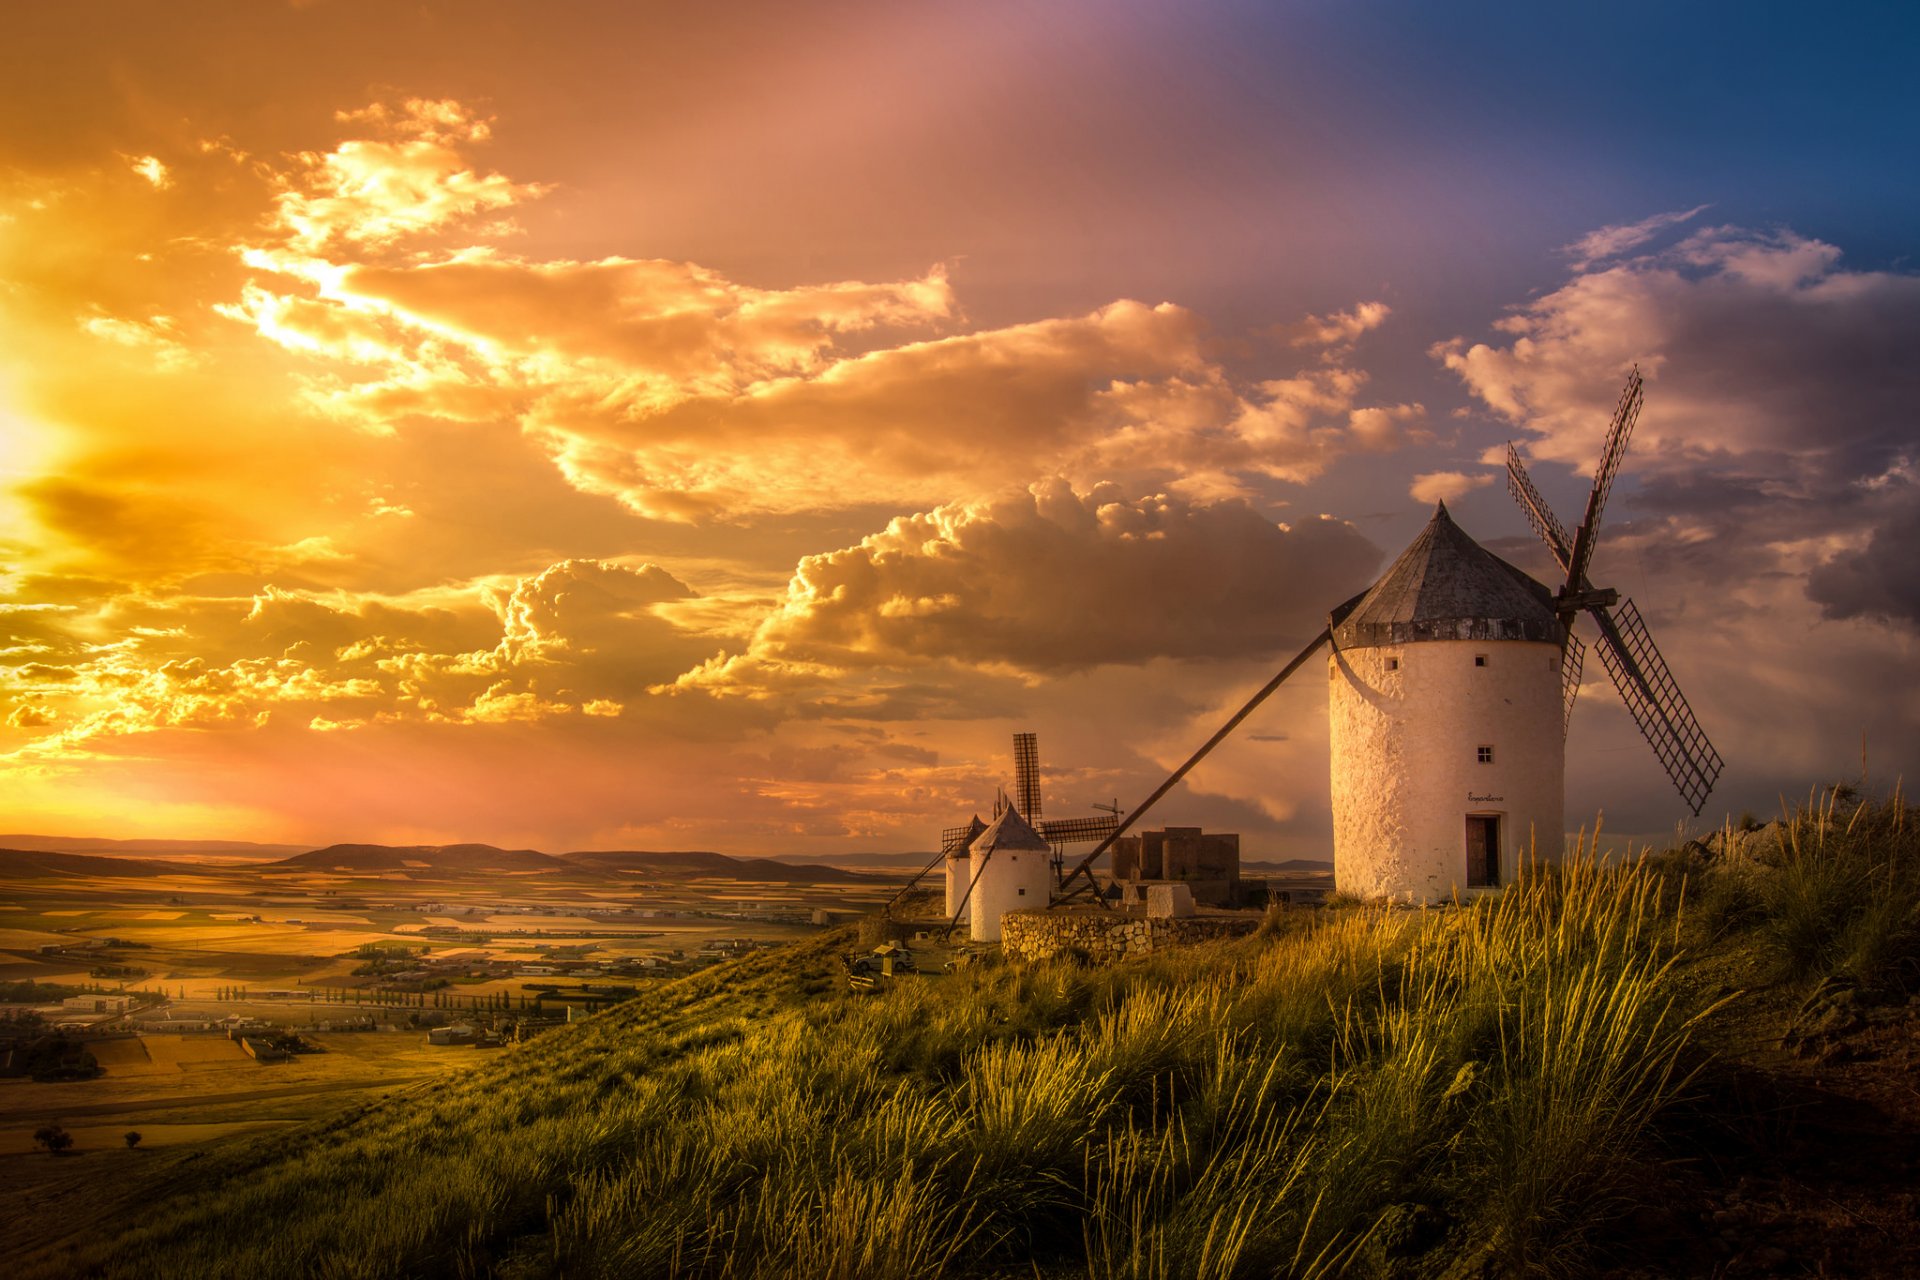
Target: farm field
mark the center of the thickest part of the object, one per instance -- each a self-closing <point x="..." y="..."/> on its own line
<point x="212" y="941"/>
<point x="198" y="931"/>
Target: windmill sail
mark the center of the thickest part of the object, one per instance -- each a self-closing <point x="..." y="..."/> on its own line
<point x="1076" y="830"/>
<point x="1659" y="708"/>
<point x="1026" y="776"/>
<point x="1573" y="656"/>
<point x="1639" y="672"/>
<point x="1625" y="415"/>
<point x="1539" y="514"/>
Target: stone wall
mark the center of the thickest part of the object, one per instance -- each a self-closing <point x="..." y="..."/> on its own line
<point x="1105" y="936"/>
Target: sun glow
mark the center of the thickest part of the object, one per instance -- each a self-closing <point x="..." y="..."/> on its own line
<point x="29" y="449"/>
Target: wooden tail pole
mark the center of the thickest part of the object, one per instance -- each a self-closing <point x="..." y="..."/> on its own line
<point x="1085" y="866"/>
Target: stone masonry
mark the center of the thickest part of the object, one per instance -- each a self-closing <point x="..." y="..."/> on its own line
<point x="1105" y="936"/>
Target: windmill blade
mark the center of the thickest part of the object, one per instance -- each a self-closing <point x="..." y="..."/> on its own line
<point x="1026" y="775"/>
<point x="1539" y="514"/>
<point x="1076" y="830"/>
<point x="1659" y="708"/>
<point x="1625" y="415"/>
<point x="1573" y="657"/>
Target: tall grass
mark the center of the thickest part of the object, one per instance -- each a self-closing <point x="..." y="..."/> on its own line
<point x="1834" y="895"/>
<point x="1358" y="1095"/>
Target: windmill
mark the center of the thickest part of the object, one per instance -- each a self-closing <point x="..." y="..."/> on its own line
<point x="974" y="883"/>
<point x="1627" y="650"/>
<point x="1453" y="681"/>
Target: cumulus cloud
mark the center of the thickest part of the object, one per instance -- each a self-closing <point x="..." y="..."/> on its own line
<point x="1051" y="580"/>
<point x="1446" y="486"/>
<point x="1767" y="510"/>
<point x="685" y="395"/>
<point x="581" y="637"/>
<point x="151" y="168"/>
<point x="1340" y="330"/>
<point x="412" y="179"/>
<point x="1760" y="350"/>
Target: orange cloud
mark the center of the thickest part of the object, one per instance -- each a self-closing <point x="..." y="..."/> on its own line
<point x="1051" y="580"/>
<point x="581" y="637"/>
<point x="1446" y="486"/>
<point x="684" y="394"/>
<point x="372" y="192"/>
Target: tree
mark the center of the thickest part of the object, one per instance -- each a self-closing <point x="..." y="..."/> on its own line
<point x="53" y="1138"/>
<point x="133" y="1138"/>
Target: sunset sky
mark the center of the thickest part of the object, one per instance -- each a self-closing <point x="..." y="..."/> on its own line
<point x="683" y="426"/>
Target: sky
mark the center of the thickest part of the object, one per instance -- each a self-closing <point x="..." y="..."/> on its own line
<point x="663" y="426"/>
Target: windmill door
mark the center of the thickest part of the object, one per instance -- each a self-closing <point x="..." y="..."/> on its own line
<point x="1483" y="849"/>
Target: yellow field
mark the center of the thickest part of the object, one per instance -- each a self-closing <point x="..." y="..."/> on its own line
<point x="170" y="1054"/>
<point x="28" y="939"/>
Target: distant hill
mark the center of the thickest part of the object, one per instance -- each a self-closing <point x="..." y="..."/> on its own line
<point x="887" y="862"/>
<point x="225" y="850"/>
<point x="667" y="865"/>
<point x="34" y="864"/>
<point x="417" y="857"/>
<point x="702" y="863"/>
<point x="1296" y="865"/>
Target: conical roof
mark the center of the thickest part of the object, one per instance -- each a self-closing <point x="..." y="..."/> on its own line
<point x="965" y="843"/>
<point x="1446" y="586"/>
<point x="1010" y="833"/>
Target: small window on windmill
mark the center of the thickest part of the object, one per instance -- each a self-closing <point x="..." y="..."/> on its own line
<point x="1023" y="893"/>
<point x="1393" y="664"/>
<point x="1484" y="754"/>
<point x="1479" y="659"/>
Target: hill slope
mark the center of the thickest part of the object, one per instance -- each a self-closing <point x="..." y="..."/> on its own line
<point x="433" y="857"/>
<point x="1520" y="1086"/>
<point x="30" y="864"/>
<point x="225" y="850"/>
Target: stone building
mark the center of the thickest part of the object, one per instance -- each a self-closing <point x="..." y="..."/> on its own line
<point x="1207" y="863"/>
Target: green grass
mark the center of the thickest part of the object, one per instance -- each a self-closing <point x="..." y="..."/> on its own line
<point x="1286" y="1104"/>
<point x="1362" y="1091"/>
<point x="1831" y="894"/>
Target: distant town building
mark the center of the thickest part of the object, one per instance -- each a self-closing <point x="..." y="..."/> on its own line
<point x="263" y="1050"/>
<point x="1206" y="864"/>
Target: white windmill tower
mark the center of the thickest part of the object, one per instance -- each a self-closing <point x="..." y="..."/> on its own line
<point x="958" y="844"/>
<point x="1453" y="680"/>
<point x="1445" y="723"/>
<point x="1011" y="867"/>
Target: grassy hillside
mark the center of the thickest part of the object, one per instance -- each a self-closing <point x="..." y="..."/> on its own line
<point x="1479" y="1091"/>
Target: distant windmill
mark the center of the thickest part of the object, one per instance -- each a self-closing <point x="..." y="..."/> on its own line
<point x="981" y="882"/>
